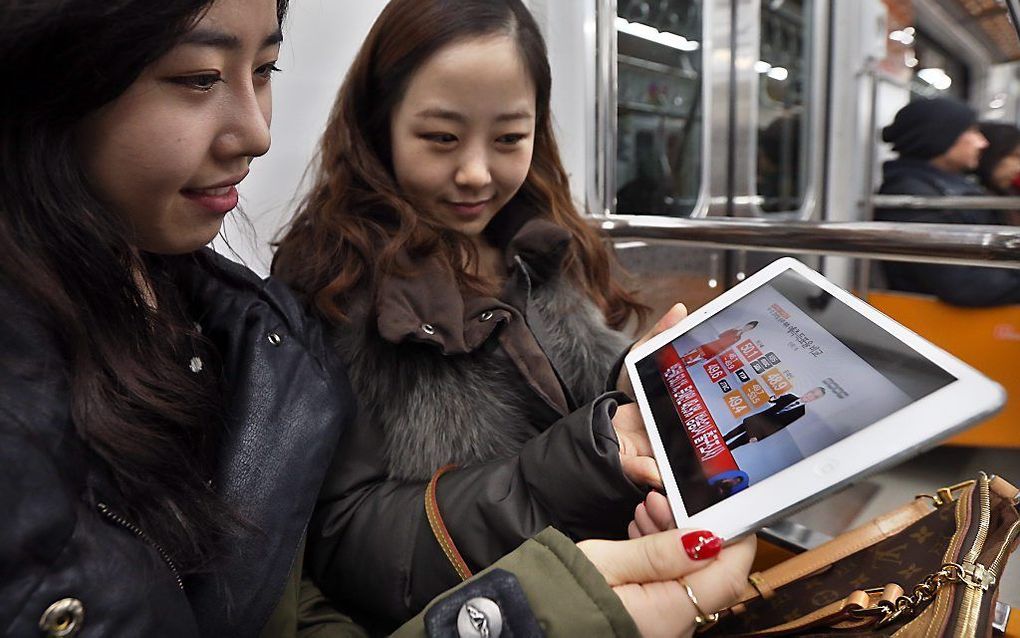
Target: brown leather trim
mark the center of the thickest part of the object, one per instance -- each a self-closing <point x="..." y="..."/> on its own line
<point x="761" y="585"/>
<point x="1003" y="488"/>
<point x="846" y="544"/>
<point x="834" y="614"/>
<point x="439" y="527"/>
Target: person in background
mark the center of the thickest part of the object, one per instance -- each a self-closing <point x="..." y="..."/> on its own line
<point x="999" y="167"/>
<point x="939" y="144"/>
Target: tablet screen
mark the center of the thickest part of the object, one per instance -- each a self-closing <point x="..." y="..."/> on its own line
<point x="782" y="373"/>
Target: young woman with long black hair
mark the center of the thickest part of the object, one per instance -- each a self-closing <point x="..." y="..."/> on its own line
<point x="166" y="417"/>
<point x="159" y="450"/>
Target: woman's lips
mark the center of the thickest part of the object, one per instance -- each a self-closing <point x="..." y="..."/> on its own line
<point x="469" y="209"/>
<point x="220" y="200"/>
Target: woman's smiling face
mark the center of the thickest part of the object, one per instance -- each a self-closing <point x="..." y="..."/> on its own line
<point x="167" y="154"/>
<point x="463" y="135"/>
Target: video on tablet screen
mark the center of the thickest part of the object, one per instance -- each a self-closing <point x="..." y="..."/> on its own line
<point x="786" y="371"/>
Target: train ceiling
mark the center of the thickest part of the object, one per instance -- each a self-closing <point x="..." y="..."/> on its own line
<point x="990" y="24"/>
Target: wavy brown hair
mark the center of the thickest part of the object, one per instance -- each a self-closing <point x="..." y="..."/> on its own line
<point x="354" y="222"/>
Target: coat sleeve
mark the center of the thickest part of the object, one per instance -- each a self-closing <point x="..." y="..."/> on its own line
<point x="371" y="548"/>
<point x="565" y="595"/>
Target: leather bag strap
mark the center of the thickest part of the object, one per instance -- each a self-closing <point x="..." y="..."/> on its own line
<point x="439" y="527"/>
<point x="821" y="558"/>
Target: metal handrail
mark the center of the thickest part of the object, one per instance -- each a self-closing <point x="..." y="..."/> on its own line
<point x="913" y="202"/>
<point x="961" y="244"/>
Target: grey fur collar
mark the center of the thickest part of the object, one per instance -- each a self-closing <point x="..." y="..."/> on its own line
<point x="470" y="408"/>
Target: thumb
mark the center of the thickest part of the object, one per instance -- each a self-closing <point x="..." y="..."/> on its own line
<point x="652" y="558"/>
<point x="673" y="316"/>
<point x="641" y="470"/>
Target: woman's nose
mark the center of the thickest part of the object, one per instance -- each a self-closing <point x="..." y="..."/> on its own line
<point x="473" y="172"/>
<point x="246" y="130"/>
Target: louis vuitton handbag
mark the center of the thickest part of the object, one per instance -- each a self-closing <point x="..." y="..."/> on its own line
<point x="929" y="568"/>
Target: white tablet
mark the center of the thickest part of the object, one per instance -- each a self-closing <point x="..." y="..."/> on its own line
<point x="786" y="387"/>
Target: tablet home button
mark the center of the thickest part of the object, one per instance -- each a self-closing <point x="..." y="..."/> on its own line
<point x="826" y="467"/>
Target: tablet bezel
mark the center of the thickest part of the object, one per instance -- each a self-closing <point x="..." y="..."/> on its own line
<point x="856" y="455"/>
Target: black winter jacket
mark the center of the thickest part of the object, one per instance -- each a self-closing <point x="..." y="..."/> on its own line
<point x="958" y="285"/>
<point x="511" y="390"/>
<point x="287" y="402"/>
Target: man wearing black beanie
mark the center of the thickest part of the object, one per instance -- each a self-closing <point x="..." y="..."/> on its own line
<point x="938" y="143"/>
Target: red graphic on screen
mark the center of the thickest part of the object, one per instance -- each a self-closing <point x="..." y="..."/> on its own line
<point x="715" y="371"/>
<point x="749" y="350"/>
<point x="712" y="453"/>
<point x="731" y="361"/>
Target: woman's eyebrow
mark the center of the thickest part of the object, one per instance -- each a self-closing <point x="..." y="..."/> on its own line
<point x="446" y="114"/>
<point x="221" y="40"/>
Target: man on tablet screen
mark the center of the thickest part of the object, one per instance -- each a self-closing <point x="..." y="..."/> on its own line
<point x="784" y="410"/>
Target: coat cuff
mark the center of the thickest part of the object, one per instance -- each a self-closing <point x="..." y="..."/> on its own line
<point x="574" y="470"/>
<point x="614" y="372"/>
<point x="566" y="594"/>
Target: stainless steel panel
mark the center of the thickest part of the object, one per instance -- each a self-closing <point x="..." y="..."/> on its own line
<point x="603" y="187"/>
<point x="718" y="30"/>
<point x="746" y="39"/>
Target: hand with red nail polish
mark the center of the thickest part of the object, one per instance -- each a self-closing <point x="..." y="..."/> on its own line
<point x="701" y="545"/>
<point x="645" y="574"/>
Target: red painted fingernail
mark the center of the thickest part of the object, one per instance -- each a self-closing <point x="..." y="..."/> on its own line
<point x="701" y="545"/>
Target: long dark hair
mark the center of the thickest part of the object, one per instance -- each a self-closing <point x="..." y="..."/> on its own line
<point x="134" y="401"/>
<point x="1003" y="139"/>
<point x="354" y="222"/>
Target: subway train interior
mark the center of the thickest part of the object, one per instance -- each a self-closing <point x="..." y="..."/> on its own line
<point x="709" y="137"/>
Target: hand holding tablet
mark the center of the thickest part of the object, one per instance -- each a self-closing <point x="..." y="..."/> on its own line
<point x="786" y="387"/>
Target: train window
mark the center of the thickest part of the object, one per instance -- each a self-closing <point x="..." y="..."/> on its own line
<point x="784" y="68"/>
<point x="659" y="156"/>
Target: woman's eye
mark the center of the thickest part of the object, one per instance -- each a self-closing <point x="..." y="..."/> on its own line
<point x="511" y="138"/>
<point x="266" y="71"/>
<point x="200" y="82"/>
<point x="440" y="138"/>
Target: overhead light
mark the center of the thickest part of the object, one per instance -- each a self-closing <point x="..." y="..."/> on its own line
<point x="911" y="61"/>
<point x="761" y="66"/>
<point x="903" y="36"/>
<point x="652" y="34"/>
<point x="778" y="73"/>
<point x="936" y="77"/>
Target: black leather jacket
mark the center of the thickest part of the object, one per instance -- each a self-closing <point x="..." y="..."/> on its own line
<point x="62" y="538"/>
<point x="958" y="285"/>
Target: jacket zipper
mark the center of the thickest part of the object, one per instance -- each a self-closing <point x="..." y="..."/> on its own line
<point x="105" y="510"/>
<point x="977" y="577"/>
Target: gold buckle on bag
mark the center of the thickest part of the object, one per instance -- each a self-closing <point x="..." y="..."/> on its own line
<point x="947" y="494"/>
